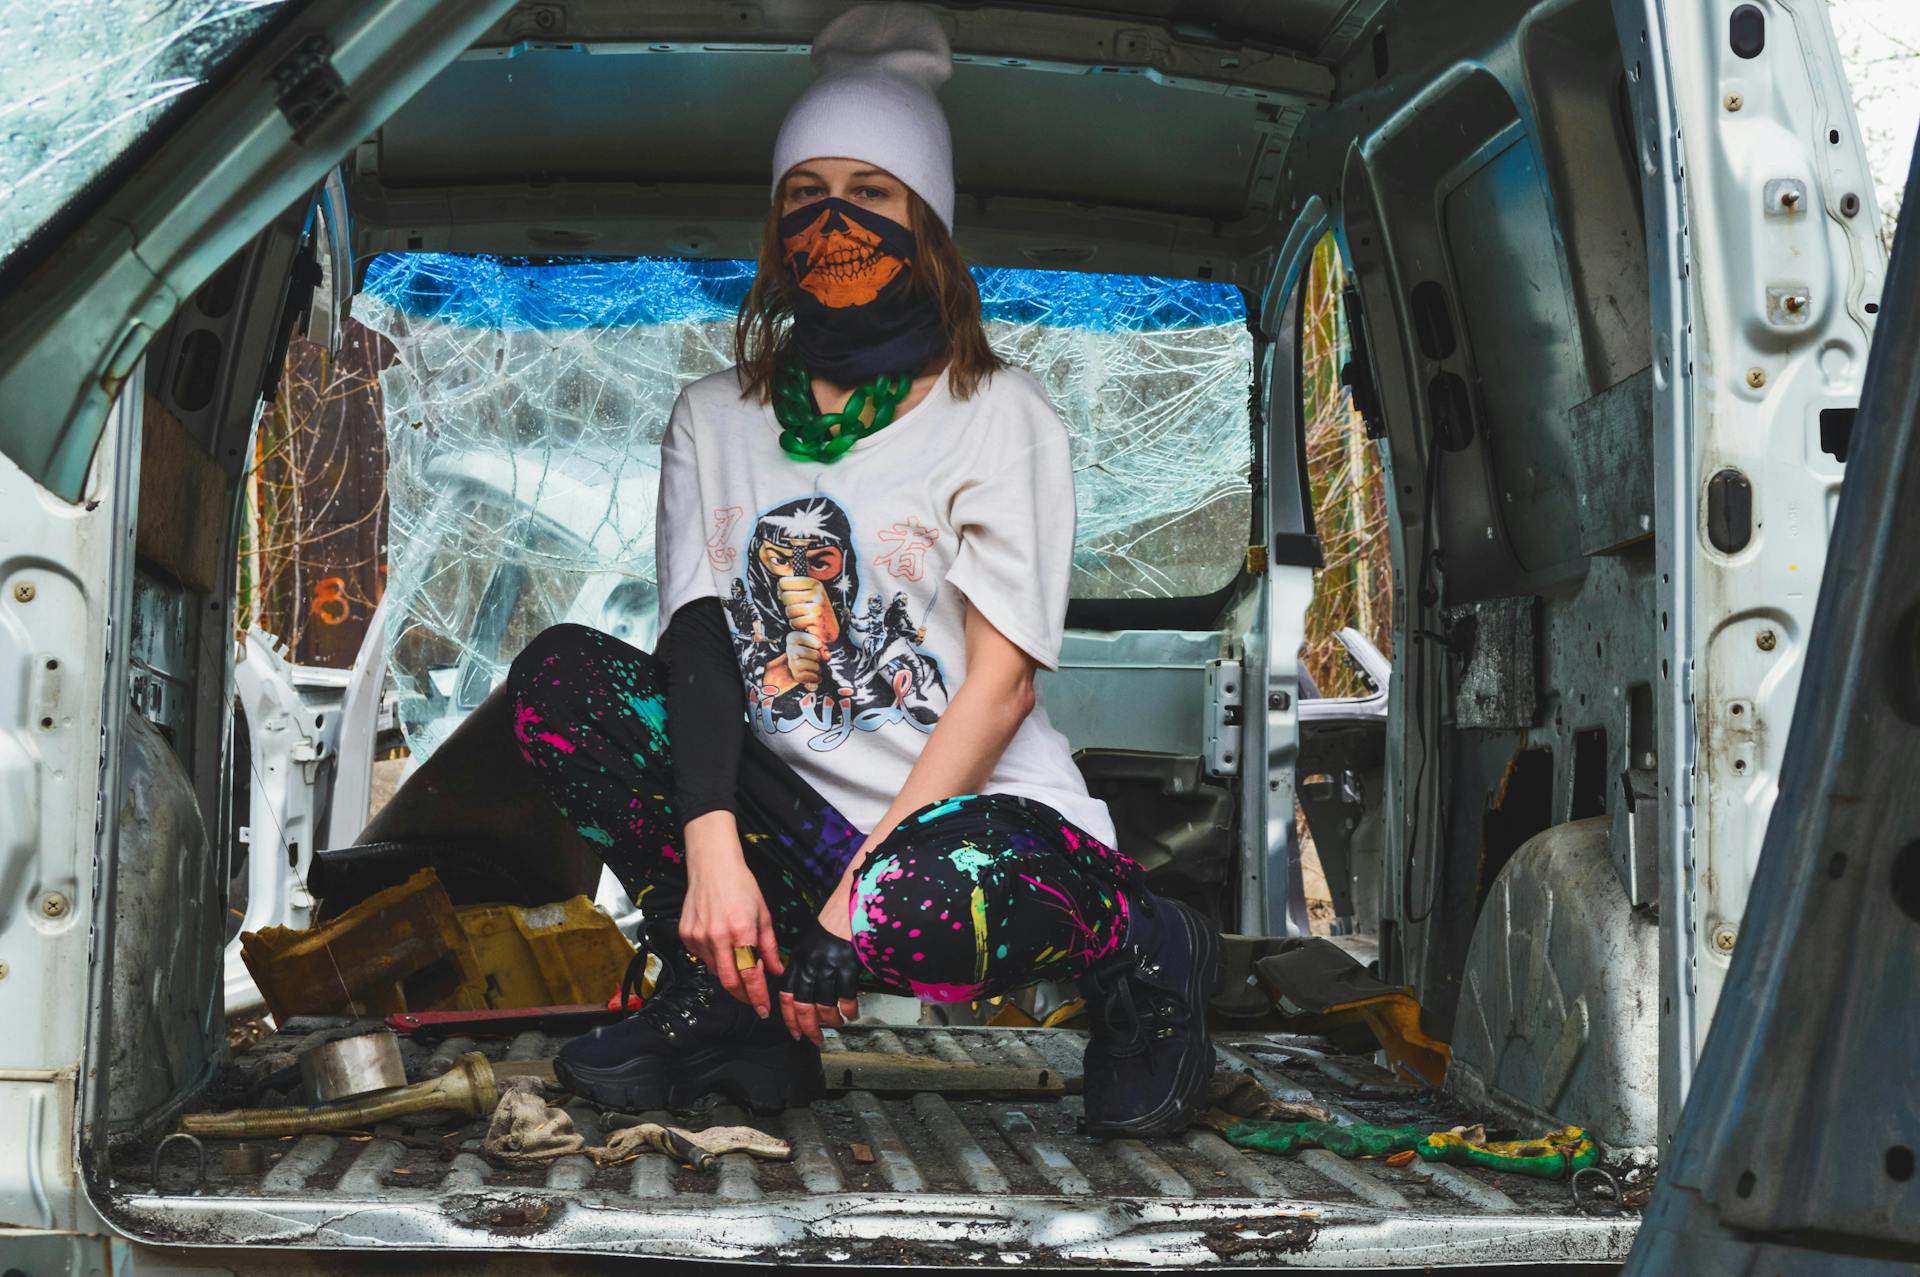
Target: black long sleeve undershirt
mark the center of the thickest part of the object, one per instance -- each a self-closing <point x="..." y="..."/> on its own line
<point x="706" y="709"/>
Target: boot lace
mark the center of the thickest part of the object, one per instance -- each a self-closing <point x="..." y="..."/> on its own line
<point x="1131" y="1010"/>
<point x="677" y="992"/>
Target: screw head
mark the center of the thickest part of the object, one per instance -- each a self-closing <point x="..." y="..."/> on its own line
<point x="3" y="970"/>
<point x="54" y="905"/>
<point x="1734" y="101"/>
<point x="24" y="591"/>
<point x="1756" y="377"/>
<point x="1723" y="939"/>
<point x="1765" y="640"/>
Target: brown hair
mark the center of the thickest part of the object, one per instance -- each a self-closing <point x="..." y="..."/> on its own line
<point x="760" y="333"/>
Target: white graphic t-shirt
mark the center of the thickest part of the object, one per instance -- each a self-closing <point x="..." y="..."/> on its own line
<point x="843" y="582"/>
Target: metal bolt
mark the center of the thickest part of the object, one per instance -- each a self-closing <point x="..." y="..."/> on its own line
<point x="1765" y="640"/>
<point x="1735" y="102"/>
<point x="54" y="905"/>
<point x="1794" y="303"/>
<point x="24" y="591"/>
<point x="1756" y="377"/>
<point x="1783" y="196"/>
<point x="1723" y="938"/>
<point x="3" y="970"/>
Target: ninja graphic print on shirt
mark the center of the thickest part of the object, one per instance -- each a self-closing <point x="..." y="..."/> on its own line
<point x="820" y="657"/>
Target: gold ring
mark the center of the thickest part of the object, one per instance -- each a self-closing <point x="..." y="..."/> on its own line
<point x="745" y="957"/>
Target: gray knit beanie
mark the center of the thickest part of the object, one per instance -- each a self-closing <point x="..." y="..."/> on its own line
<point x="875" y="71"/>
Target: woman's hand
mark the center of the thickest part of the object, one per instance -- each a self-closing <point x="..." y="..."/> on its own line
<point x="724" y="908"/>
<point x="823" y="981"/>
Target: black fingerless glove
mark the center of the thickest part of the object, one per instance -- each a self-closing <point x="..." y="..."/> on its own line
<point x="823" y="968"/>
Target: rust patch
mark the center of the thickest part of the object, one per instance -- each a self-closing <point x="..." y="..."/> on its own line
<point x="518" y="1215"/>
<point x="1268" y="1237"/>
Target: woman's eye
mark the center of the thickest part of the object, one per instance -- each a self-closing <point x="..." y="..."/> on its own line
<point x="875" y="193"/>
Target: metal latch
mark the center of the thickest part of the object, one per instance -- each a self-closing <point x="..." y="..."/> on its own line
<point x="1223" y="717"/>
<point x="1784" y="197"/>
<point x="307" y="89"/>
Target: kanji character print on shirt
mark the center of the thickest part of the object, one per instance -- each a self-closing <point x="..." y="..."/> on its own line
<point x="817" y="656"/>
<point x="721" y="552"/>
<point x="911" y="540"/>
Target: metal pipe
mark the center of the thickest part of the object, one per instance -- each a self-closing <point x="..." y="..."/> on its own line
<point x="468" y="1087"/>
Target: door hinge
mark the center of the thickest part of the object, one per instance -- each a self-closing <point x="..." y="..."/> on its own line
<point x="1223" y="717"/>
<point x="309" y="90"/>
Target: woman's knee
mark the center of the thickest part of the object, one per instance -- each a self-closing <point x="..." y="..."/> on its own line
<point x="920" y="920"/>
<point x="554" y="652"/>
<point x="979" y="895"/>
<point x="565" y="659"/>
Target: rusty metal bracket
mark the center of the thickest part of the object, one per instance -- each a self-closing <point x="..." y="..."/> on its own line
<point x="200" y="1151"/>
<point x="1597" y="1178"/>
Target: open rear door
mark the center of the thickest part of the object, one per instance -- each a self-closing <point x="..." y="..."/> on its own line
<point x="1796" y="1150"/>
<point x="95" y="262"/>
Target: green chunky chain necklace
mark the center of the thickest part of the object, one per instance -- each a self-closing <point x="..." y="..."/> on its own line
<point x="807" y="434"/>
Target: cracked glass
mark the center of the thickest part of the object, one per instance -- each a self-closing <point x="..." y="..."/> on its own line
<point x="525" y="411"/>
<point x="82" y="81"/>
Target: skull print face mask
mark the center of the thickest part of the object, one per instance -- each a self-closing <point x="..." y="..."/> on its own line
<point x="856" y="312"/>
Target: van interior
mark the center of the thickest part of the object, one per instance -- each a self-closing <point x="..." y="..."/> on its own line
<point x="1143" y="187"/>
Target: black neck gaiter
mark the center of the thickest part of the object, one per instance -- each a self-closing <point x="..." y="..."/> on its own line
<point x="856" y="313"/>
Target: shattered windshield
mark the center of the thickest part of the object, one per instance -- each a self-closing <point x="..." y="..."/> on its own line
<point x="525" y="412"/>
<point x="82" y="81"/>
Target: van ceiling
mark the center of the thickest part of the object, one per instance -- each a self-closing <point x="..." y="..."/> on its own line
<point x="1142" y="135"/>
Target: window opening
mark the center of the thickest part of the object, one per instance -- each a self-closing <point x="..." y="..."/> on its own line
<point x="1347" y="484"/>
<point x="313" y="538"/>
<point x="525" y="410"/>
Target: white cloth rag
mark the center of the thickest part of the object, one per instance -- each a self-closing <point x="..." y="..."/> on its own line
<point x="528" y="1131"/>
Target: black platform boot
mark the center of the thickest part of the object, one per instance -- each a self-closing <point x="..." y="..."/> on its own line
<point x="1149" y="1056"/>
<point x="691" y="1039"/>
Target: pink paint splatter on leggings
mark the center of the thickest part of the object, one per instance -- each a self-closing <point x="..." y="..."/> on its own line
<point x="525" y="717"/>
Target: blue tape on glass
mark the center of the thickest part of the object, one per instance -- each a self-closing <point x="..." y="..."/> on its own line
<point x="1106" y="303"/>
<point x="513" y="293"/>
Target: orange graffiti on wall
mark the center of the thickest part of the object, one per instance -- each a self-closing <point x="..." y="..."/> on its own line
<point x="329" y="606"/>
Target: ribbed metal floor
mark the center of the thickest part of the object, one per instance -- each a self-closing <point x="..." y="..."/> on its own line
<point x="948" y="1176"/>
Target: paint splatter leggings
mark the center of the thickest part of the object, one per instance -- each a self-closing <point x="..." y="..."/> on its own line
<point x="969" y="898"/>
